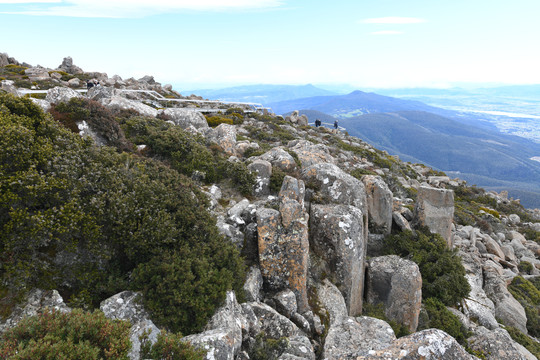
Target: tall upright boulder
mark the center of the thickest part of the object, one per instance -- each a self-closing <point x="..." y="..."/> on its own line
<point x="396" y="283"/>
<point x="435" y="209"/>
<point x="337" y="239"/>
<point x="380" y="202"/>
<point x="283" y="242"/>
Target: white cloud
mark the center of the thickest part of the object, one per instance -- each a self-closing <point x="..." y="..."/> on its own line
<point x="393" y="20"/>
<point x="136" y="8"/>
<point x="387" y="32"/>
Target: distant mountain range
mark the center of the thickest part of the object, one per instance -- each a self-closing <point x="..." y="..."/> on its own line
<point x="263" y="94"/>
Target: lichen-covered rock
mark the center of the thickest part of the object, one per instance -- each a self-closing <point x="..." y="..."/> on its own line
<point x="431" y="344"/>
<point x="337" y="187"/>
<point x="299" y="348"/>
<point x="331" y="300"/>
<point x="61" y="94"/>
<point x="283" y="243"/>
<point x="355" y="337"/>
<point x="286" y="302"/>
<point x="435" y="209"/>
<point x="263" y="171"/>
<point x="98" y="93"/>
<point x="36" y="302"/>
<point x="497" y="344"/>
<point x="401" y="222"/>
<point x="396" y="283"/>
<point x="507" y="308"/>
<point x="337" y="238"/>
<point x="272" y="323"/>
<point x="278" y="157"/>
<point x="186" y="118"/>
<point x="380" y="203"/>
<point x="310" y="153"/>
<point x="127" y="305"/>
<point x="120" y="102"/>
<point x="478" y="305"/>
<point x="253" y="284"/>
<point x="225" y="136"/>
<point x="222" y="338"/>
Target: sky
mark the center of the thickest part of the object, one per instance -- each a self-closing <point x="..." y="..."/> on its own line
<point x="196" y="44"/>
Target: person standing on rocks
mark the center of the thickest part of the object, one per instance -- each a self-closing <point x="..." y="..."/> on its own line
<point x="335" y="124"/>
<point x="89" y="84"/>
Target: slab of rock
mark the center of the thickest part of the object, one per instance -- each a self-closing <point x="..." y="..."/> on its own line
<point x="185" y="118"/>
<point x="278" y="157"/>
<point x="356" y="337"/>
<point x="435" y="209"/>
<point x="98" y="93"/>
<point x="283" y="243"/>
<point x="120" y="102"/>
<point x="497" y="344"/>
<point x="274" y="325"/>
<point x="225" y="136"/>
<point x="337" y="238"/>
<point x="36" y="302"/>
<point x="331" y="300"/>
<point x="9" y="87"/>
<point x="431" y="344"/>
<point x="37" y="74"/>
<point x="61" y="94"/>
<point x="396" y="283"/>
<point x="263" y="171"/>
<point x="310" y="153"/>
<point x="253" y="284"/>
<point x="127" y="305"/>
<point x="401" y="222"/>
<point x="507" y="308"/>
<point x="380" y="203"/>
<point x="477" y="305"/>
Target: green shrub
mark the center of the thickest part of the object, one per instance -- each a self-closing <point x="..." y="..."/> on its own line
<point x="358" y="173"/>
<point x="525" y="267"/>
<point x="267" y="348"/>
<point x="216" y="120"/>
<point x="276" y="179"/>
<point x="169" y="347"/>
<point x="441" y="318"/>
<point x="529" y="297"/>
<point x="519" y="337"/>
<point x="77" y="335"/>
<point x="443" y="275"/>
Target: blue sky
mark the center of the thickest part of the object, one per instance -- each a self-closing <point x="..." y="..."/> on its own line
<point x="210" y="43"/>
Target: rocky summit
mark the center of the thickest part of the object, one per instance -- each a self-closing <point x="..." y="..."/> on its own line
<point x="255" y="236"/>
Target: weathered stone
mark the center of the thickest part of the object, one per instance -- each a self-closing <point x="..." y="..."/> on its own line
<point x="67" y="66"/>
<point x="497" y="344"/>
<point x="435" y="209"/>
<point x="514" y="219"/>
<point x="253" y="284"/>
<point x="222" y="338"/>
<point x="337" y="238"/>
<point x="283" y="243"/>
<point x="311" y="154"/>
<point x="231" y="232"/>
<point x="493" y="247"/>
<point x="278" y="157"/>
<point x="225" y="136"/>
<point x="263" y="170"/>
<point x="99" y="93"/>
<point x="274" y="325"/>
<point x="331" y="299"/>
<point x="43" y="104"/>
<point x="37" y="74"/>
<point x="185" y="117"/>
<point x="477" y="305"/>
<point x="74" y="83"/>
<point x="9" y="87"/>
<point x="4" y="59"/>
<point x="286" y="302"/>
<point x="396" y="283"/>
<point x="36" y="302"/>
<point x="380" y="202"/>
<point x="299" y="348"/>
<point x="431" y="344"/>
<point x="507" y="308"/>
<point x="61" y="94"/>
<point x="120" y="102"/>
<point x="356" y="337"/>
<point x="401" y="222"/>
<point x="509" y="254"/>
<point x="127" y="305"/>
<point x="336" y="186"/>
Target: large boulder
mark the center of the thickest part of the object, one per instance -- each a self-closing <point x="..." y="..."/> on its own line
<point x="272" y="323"/>
<point x="336" y="186"/>
<point x="67" y="66"/>
<point x="61" y="94"/>
<point x="337" y="239"/>
<point x="310" y="153"/>
<point x="283" y="242"/>
<point x="356" y="337"/>
<point x="127" y="305"/>
<point x="278" y="157"/>
<point x="225" y="136"/>
<point x="122" y="103"/>
<point x="222" y="338"/>
<point x="332" y="302"/>
<point x="185" y="118"/>
<point x="478" y="305"/>
<point x="37" y="74"/>
<point x="4" y="59"/>
<point x="435" y="209"/>
<point x="36" y="302"/>
<point x="9" y="87"/>
<point x="507" y="308"/>
<point x="380" y="203"/>
<point x="396" y="283"/>
<point x="263" y="172"/>
<point x="497" y="344"/>
<point x="431" y="344"/>
<point x="296" y="118"/>
<point x="99" y="93"/>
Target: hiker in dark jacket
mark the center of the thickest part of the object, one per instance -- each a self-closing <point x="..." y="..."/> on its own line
<point x="335" y="124"/>
<point x="89" y="84"/>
